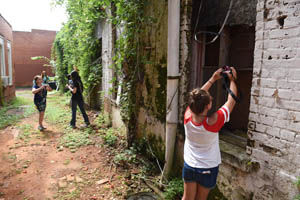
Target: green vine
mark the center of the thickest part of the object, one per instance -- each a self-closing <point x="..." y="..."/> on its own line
<point x="127" y="59"/>
<point x="76" y="45"/>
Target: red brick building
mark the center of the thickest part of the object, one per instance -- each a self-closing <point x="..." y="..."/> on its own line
<point x="6" y="60"/>
<point x="27" y="45"/>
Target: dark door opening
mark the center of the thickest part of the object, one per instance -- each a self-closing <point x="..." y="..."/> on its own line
<point x="235" y="47"/>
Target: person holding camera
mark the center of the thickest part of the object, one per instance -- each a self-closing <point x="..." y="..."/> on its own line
<point x="40" y="96"/>
<point x="76" y="88"/>
<point x="202" y="155"/>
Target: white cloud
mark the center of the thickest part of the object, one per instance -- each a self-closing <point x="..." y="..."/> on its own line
<point x="32" y="14"/>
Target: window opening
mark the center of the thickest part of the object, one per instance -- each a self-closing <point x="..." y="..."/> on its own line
<point x="10" y="70"/>
<point x="2" y="57"/>
<point x="234" y="48"/>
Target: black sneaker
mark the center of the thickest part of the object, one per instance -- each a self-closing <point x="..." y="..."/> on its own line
<point x="40" y="128"/>
<point x="73" y="126"/>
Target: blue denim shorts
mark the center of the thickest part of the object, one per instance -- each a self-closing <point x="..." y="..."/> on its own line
<point x="206" y="177"/>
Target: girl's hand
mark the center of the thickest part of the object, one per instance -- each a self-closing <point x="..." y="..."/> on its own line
<point x="217" y="75"/>
<point x="232" y="76"/>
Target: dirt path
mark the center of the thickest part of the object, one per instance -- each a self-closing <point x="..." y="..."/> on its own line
<point x="34" y="165"/>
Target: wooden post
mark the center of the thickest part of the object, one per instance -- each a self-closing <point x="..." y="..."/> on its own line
<point x="223" y="60"/>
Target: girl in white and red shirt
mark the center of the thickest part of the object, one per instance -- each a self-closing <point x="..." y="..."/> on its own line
<point x="201" y="148"/>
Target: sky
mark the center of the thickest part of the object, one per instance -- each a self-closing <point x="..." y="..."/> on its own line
<point x="25" y="15"/>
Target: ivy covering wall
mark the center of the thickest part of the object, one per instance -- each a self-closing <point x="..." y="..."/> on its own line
<point x="140" y="54"/>
<point x="76" y="46"/>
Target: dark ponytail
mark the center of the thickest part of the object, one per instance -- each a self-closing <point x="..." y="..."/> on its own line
<point x="198" y="100"/>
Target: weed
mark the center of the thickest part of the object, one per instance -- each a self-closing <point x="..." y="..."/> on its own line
<point x="297" y="197"/>
<point x="15" y="110"/>
<point x="297" y="183"/>
<point x="110" y="137"/>
<point x="103" y="120"/>
<point x="174" y="189"/>
<point x="66" y="162"/>
<point x="26" y="131"/>
<point x="58" y="114"/>
<point x="71" y="195"/>
<point x="74" y="140"/>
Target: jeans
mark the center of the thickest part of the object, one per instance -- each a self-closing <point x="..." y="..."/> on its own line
<point x="206" y="177"/>
<point x="80" y="103"/>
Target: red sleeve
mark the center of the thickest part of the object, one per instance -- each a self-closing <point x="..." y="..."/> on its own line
<point x="187" y="115"/>
<point x="223" y="116"/>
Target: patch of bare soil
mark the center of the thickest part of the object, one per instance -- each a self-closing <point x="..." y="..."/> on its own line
<point x="36" y="167"/>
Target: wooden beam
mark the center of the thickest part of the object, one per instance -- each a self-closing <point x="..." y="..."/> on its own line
<point x="223" y="60"/>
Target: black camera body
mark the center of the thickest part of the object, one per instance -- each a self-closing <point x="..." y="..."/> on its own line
<point x="226" y="84"/>
<point x="51" y="84"/>
<point x="225" y="70"/>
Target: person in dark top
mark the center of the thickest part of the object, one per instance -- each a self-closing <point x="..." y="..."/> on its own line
<point x="40" y="95"/>
<point x="76" y="88"/>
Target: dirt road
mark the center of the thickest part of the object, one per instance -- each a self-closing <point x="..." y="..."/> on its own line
<point x="38" y="165"/>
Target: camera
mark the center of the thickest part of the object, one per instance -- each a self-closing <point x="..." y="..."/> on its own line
<point x="52" y="85"/>
<point x="225" y="70"/>
<point x="70" y="82"/>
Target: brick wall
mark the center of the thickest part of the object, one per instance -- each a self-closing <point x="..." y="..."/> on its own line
<point x="273" y="161"/>
<point x="27" y="45"/>
<point x="275" y="106"/>
<point x="7" y="34"/>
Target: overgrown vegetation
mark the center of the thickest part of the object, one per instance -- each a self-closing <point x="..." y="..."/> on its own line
<point x="15" y="110"/>
<point x="297" y="183"/>
<point x="174" y="190"/>
<point x="77" y="45"/>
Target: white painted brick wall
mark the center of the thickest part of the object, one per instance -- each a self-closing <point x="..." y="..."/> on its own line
<point x="275" y="97"/>
<point x="288" y="135"/>
<point x="107" y="52"/>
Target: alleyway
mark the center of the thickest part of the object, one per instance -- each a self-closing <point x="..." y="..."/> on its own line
<point x="62" y="163"/>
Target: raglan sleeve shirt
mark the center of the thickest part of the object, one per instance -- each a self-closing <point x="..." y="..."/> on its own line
<point x="201" y="148"/>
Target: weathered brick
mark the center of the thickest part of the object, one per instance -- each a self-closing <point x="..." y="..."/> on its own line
<point x="290" y="105"/>
<point x="284" y="33"/>
<point x="285" y="94"/>
<point x="268" y="92"/>
<point x="297" y="139"/>
<point x="266" y="120"/>
<point x="295" y="126"/>
<point x="284" y="84"/>
<point x="273" y="43"/>
<point x="281" y="123"/>
<point x="273" y="131"/>
<point x="270" y="112"/>
<point x="291" y="22"/>
<point x="268" y="83"/>
<point x="294" y="74"/>
<point x="268" y="102"/>
<point x="273" y="24"/>
<point x="261" y="127"/>
<point x="259" y="155"/>
<point x="287" y="135"/>
<point x="284" y="182"/>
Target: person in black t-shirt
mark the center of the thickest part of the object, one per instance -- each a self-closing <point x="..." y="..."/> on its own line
<point x="76" y="88"/>
<point x="40" y="94"/>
